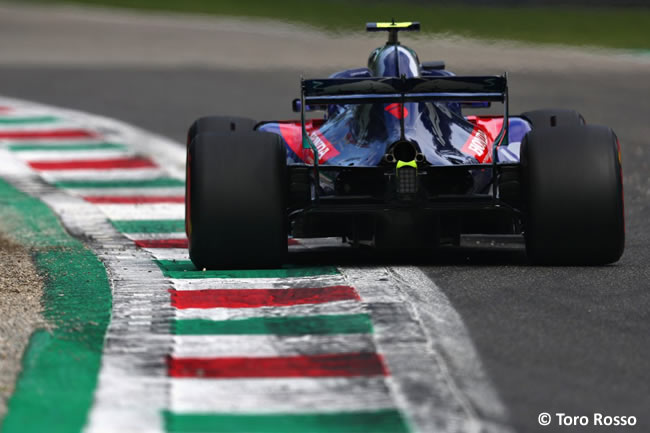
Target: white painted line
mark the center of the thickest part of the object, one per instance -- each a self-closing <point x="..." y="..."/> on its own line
<point x="338" y="307"/>
<point x="169" y="253"/>
<point x="25" y="111"/>
<point x="12" y="167"/>
<point x="218" y="346"/>
<point x="38" y="126"/>
<point x="129" y="192"/>
<point x="258" y="283"/>
<point x="155" y="236"/>
<point x="161" y="211"/>
<point x="457" y="394"/>
<point x="55" y="141"/>
<point x="446" y="326"/>
<point x="279" y="395"/>
<point x="112" y="174"/>
<point x="71" y="155"/>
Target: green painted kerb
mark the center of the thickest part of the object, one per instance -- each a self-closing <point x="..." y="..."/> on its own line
<point x="149" y="226"/>
<point x="27" y="120"/>
<point x="186" y="269"/>
<point x="60" y="367"/>
<point x="330" y="324"/>
<point x="57" y="147"/>
<point x="380" y="421"/>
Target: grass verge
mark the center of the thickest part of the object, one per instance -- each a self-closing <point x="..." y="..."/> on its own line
<point x="606" y="27"/>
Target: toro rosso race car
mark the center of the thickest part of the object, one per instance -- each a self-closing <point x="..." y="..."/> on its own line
<point x="396" y="164"/>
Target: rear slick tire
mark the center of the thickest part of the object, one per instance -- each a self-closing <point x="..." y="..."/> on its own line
<point x="219" y="124"/>
<point x="236" y="200"/>
<point x="573" y="195"/>
<point x="553" y="118"/>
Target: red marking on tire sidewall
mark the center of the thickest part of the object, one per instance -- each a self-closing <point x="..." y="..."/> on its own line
<point x="620" y="173"/>
<point x="188" y="216"/>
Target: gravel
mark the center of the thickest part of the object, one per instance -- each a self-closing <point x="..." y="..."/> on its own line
<point x="21" y="289"/>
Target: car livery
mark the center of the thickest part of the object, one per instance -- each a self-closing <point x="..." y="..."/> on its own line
<point x="395" y="163"/>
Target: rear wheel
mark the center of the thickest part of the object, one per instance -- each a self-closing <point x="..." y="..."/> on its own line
<point x="220" y="124"/>
<point x="236" y="200"/>
<point x="573" y="195"/>
<point x="551" y="118"/>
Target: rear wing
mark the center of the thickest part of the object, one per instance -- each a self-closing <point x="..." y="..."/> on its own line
<point x="370" y="90"/>
<point x="393" y="28"/>
<point x="335" y="91"/>
<point x="409" y="26"/>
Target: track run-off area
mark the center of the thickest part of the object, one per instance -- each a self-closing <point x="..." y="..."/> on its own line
<point x="153" y="344"/>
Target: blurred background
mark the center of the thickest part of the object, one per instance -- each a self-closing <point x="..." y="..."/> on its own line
<point x="608" y="23"/>
<point x="162" y="63"/>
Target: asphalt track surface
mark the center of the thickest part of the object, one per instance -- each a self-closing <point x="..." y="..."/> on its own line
<point x="574" y="340"/>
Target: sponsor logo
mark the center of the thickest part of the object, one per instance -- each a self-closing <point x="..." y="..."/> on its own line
<point x="292" y="135"/>
<point x="325" y="149"/>
<point x="478" y="146"/>
<point x="395" y="110"/>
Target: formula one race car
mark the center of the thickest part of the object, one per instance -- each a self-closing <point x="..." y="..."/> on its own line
<point x="394" y="163"/>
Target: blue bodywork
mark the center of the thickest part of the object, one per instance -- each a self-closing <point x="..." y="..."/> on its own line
<point x="361" y="134"/>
